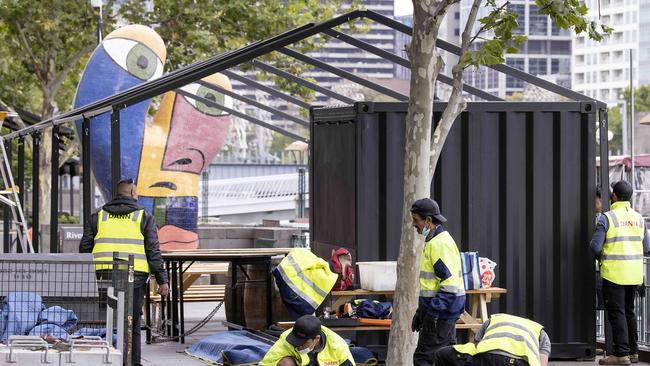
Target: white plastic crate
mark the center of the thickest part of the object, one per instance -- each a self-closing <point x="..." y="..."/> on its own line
<point x="378" y="276"/>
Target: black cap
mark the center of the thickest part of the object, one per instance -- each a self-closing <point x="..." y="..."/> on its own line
<point x="427" y="207"/>
<point x="623" y="190"/>
<point x="306" y="327"/>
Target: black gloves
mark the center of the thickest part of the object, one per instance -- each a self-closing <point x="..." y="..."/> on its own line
<point x="418" y="320"/>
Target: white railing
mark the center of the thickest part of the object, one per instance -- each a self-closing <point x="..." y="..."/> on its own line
<point x="251" y="194"/>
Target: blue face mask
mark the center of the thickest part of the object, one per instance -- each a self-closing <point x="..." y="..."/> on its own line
<point x="425" y="231"/>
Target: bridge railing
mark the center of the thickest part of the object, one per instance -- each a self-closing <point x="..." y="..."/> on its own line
<point x="250" y="194"/>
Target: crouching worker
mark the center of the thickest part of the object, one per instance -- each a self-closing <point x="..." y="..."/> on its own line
<point x="309" y="344"/>
<point x="503" y="340"/>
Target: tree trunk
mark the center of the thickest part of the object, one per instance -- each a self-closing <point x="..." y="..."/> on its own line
<point x="426" y="64"/>
<point x="45" y="168"/>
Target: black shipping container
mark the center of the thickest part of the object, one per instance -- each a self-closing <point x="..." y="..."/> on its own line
<point x="516" y="181"/>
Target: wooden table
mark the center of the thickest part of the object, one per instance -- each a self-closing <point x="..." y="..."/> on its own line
<point x="471" y="321"/>
<point x="177" y="263"/>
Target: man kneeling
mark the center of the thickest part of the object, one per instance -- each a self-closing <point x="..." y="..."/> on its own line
<point x="503" y="340"/>
<point x="309" y="343"/>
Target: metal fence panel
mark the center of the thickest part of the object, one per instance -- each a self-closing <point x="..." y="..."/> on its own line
<point x="516" y="181"/>
<point x="60" y="297"/>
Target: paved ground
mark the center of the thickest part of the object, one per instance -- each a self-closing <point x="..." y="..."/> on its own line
<point x="171" y="353"/>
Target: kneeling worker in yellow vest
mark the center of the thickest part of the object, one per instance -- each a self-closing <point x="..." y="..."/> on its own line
<point x="309" y="343"/>
<point x="503" y="340"/>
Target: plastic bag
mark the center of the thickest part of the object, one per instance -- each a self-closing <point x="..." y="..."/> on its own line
<point x="487" y="271"/>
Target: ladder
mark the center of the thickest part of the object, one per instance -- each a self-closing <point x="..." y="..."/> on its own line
<point x="9" y="196"/>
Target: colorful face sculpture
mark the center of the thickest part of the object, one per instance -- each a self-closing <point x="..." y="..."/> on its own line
<point x="127" y="57"/>
<point x="182" y="141"/>
<point x="167" y="155"/>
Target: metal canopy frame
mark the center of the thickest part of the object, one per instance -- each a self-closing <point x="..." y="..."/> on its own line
<point x="225" y="63"/>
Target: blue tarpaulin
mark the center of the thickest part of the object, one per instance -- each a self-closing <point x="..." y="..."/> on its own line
<point x="19" y="314"/>
<point x="209" y="349"/>
<point x="23" y="313"/>
<point x="239" y="349"/>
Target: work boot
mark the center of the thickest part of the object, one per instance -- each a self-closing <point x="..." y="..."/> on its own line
<point x="634" y="358"/>
<point x="615" y="360"/>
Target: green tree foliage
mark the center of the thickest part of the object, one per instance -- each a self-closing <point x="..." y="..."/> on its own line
<point x="615" y="124"/>
<point x="195" y="30"/>
<point x="641" y="98"/>
<point x="615" y="115"/>
<point x="44" y="47"/>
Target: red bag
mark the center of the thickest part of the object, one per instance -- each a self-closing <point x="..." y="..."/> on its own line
<point x="341" y="263"/>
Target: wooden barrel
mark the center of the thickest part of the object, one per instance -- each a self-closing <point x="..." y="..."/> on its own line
<point x="255" y="298"/>
<point x="238" y="300"/>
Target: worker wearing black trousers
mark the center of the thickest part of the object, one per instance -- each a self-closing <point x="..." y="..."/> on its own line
<point x="502" y="340"/>
<point x="123" y="226"/>
<point x="619" y="243"/>
<point x="442" y="293"/>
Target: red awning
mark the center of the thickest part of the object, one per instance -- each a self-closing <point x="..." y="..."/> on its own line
<point x="641" y="161"/>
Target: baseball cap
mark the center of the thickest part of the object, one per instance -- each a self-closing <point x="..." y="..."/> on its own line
<point x="306" y="327"/>
<point x="427" y="207"/>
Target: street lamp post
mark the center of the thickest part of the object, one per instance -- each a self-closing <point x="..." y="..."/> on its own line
<point x="97" y="5"/>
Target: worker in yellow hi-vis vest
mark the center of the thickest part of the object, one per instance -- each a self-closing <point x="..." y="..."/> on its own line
<point x="619" y="243"/>
<point x="503" y="340"/>
<point x="442" y="293"/>
<point x="123" y="226"/>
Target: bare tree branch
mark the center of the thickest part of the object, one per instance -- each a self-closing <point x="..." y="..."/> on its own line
<point x="443" y="6"/>
<point x="456" y="102"/>
<point x="28" y="49"/>
<point x="60" y="78"/>
<point x="71" y="149"/>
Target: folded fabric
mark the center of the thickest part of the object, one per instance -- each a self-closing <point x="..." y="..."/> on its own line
<point x="374" y="309"/>
<point x="363" y="356"/>
<point x="66" y="319"/>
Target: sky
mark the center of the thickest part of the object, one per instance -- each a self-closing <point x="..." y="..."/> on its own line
<point x="403" y="7"/>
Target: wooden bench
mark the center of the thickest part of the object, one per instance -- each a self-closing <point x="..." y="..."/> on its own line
<point x="196" y="270"/>
<point x="196" y="293"/>
<point x="200" y="293"/>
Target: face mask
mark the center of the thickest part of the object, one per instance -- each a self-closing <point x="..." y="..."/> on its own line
<point x="426" y="231"/>
<point x="305" y="351"/>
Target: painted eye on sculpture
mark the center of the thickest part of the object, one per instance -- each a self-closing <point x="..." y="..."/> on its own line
<point x="134" y="57"/>
<point x="211" y="95"/>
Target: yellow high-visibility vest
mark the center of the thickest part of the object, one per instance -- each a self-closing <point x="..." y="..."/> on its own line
<point x="440" y="247"/>
<point x="121" y="234"/>
<point x="335" y="352"/>
<point x="308" y="276"/>
<point x="508" y="333"/>
<point x="621" y="261"/>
